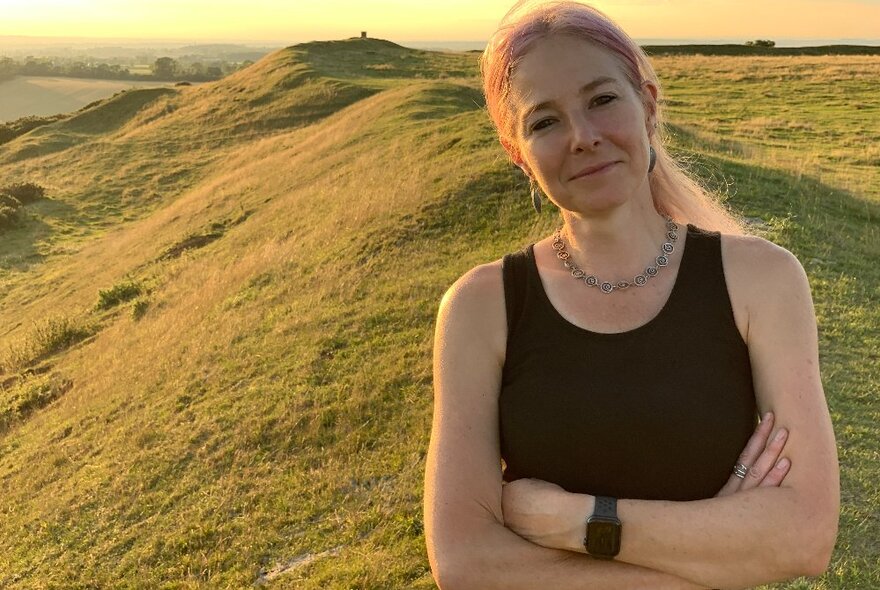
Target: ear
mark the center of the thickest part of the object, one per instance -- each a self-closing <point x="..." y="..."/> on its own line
<point x="649" y="99"/>
<point x="519" y="163"/>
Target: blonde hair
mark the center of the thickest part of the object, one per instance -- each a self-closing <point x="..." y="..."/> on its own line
<point x="674" y="191"/>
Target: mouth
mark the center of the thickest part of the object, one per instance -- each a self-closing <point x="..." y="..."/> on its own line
<point x="593" y="170"/>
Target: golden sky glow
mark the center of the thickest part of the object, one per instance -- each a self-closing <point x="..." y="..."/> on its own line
<point x="414" y="20"/>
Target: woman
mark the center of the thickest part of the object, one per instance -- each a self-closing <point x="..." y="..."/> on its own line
<point x="618" y="365"/>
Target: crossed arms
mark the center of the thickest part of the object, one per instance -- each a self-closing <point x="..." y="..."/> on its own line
<point x="768" y="532"/>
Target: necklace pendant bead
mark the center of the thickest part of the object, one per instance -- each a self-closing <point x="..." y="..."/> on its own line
<point x="668" y="248"/>
<point x="640" y="280"/>
<point x="591" y="281"/>
<point x="607" y="287"/>
<point x="662" y="260"/>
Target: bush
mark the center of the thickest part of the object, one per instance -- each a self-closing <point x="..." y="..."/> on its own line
<point x="761" y="43"/>
<point x="12" y="129"/>
<point x="139" y="308"/>
<point x="117" y="294"/>
<point x="56" y="334"/>
<point x="8" y="216"/>
<point x="9" y="200"/>
<point x="25" y="192"/>
<point x="53" y="335"/>
<point x="6" y="133"/>
<point x="13" y="197"/>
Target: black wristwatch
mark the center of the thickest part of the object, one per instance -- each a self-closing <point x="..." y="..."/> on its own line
<point x="602" y="538"/>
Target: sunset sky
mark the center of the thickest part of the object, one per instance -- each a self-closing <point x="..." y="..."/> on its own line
<point x="415" y="20"/>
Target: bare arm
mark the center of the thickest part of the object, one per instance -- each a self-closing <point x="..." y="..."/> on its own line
<point x="467" y="542"/>
<point x="764" y="533"/>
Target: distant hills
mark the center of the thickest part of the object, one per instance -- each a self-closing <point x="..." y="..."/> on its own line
<point x="216" y="325"/>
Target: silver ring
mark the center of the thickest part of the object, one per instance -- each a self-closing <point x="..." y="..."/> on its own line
<point x="740" y="470"/>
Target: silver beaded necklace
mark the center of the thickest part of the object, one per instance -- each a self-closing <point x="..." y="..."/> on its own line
<point x="639" y="280"/>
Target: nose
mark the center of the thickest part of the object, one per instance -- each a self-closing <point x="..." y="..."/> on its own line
<point x="584" y="134"/>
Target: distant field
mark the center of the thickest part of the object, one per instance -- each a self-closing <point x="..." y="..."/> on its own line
<point x="816" y="116"/>
<point x="32" y="95"/>
<point x="216" y="332"/>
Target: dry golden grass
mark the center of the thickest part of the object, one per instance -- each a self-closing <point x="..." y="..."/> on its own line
<point x="271" y="403"/>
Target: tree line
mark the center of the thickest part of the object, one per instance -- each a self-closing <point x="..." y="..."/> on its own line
<point x="165" y="69"/>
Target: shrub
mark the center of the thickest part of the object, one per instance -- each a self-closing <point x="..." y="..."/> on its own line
<point x="25" y="192"/>
<point x="139" y="308"/>
<point x="51" y="336"/>
<point x="761" y="43"/>
<point x="119" y="293"/>
<point x="8" y="216"/>
<point x="9" y="201"/>
<point x="12" y="129"/>
<point x="56" y="334"/>
<point x="6" y="133"/>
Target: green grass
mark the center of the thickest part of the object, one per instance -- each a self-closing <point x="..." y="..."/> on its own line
<point x="266" y="412"/>
<point x="44" y="339"/>
<point x="118" y="293"/>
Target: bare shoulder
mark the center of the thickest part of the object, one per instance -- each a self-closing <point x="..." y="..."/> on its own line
<point x="762" y="277"/>
<point x="759" y="263"/>
<point x="476" y="285"/>
<point x="474" y="307"/>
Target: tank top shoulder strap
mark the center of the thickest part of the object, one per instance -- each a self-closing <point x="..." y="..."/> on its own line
<point x="515" y="272"/>
<point x="703" y="286"/>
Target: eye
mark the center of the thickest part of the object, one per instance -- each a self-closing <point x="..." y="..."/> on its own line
<point x="604" y="99"/>
<point x="540" y="124"/>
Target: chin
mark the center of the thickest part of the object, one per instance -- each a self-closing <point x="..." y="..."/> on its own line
<point x="594" y="203"/>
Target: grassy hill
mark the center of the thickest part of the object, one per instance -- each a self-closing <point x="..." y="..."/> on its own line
<point x="23" y="96"/>
<point x="215" y="336"/>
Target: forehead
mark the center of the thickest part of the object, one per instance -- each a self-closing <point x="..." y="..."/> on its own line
<point x="557" y="66"/>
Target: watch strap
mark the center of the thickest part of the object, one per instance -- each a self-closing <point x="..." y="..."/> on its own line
<point x="605" y="507"/>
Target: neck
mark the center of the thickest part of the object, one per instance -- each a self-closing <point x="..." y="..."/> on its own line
<point x="615" y="244"/>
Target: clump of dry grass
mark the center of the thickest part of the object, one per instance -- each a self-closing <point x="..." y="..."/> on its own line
<point x="45" y="339"/>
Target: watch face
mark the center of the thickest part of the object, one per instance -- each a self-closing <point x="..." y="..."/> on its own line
<point x="603" y="538"/>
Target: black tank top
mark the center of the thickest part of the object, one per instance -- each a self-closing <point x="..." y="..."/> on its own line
<point x="660" y="412"/>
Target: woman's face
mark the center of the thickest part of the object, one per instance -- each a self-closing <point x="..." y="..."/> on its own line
<point x="581" y="127"/>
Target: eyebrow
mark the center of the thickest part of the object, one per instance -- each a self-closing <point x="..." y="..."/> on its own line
<point x="584" y="89"/>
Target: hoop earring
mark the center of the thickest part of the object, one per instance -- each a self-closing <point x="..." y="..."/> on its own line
<point x="652" y="158"/>
<point x="536" y="199"/>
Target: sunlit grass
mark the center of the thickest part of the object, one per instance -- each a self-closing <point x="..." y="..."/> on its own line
<point x="267" y="409"/>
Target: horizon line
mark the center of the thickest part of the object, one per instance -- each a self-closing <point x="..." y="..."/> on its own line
<point x="277" y="42"/>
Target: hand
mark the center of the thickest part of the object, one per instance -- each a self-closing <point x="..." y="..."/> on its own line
<point x="545" y="514"/>
<point x="762" y="459"/>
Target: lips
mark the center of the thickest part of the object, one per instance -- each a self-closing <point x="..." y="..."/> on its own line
<point x="593" y="169"/>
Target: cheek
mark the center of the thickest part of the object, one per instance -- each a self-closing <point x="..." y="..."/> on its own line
<point x="545" y="154"/>
<point x="625" y="128"/>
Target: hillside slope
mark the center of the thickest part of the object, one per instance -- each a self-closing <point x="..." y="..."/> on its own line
<point x="249" y="400"/>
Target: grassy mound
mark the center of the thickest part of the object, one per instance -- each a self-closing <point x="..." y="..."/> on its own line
<point x="262" y="412"/>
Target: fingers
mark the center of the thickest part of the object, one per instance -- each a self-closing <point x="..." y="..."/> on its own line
<point x="766" y="461"/>
<point x="751" y="452"/>
<point x="758" y="440"/>
<point x="777" y="474"/>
